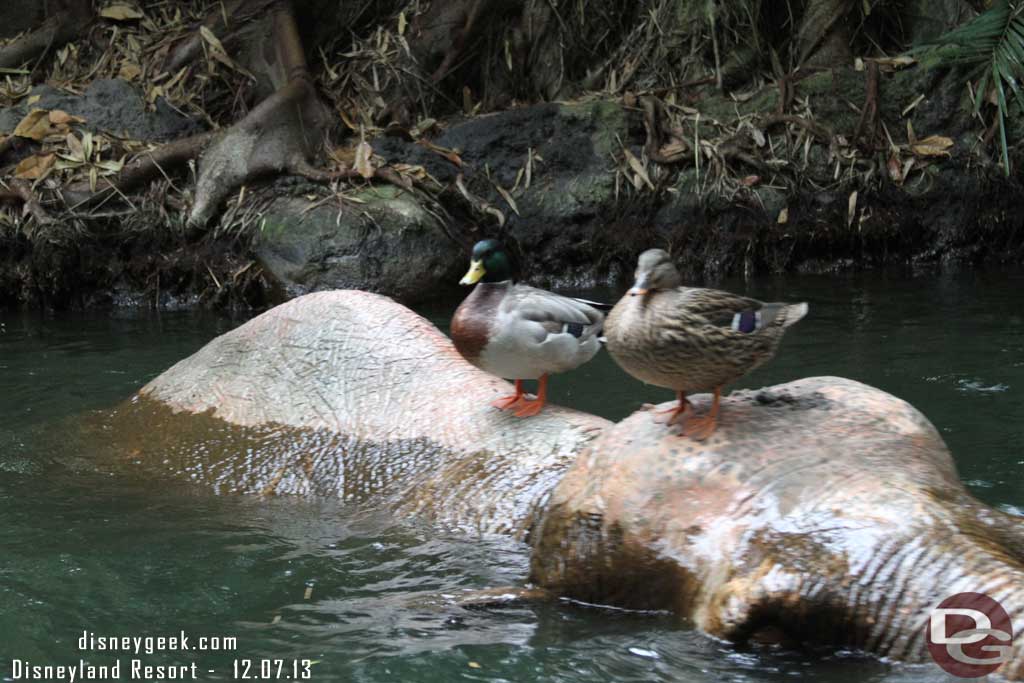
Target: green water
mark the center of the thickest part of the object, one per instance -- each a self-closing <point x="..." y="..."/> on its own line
<point x="361" y="595"/>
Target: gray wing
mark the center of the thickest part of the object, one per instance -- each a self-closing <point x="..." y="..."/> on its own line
<point x="553" y="312"/>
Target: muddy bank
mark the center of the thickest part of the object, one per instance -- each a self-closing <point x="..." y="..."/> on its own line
<point x="555" y="181"/>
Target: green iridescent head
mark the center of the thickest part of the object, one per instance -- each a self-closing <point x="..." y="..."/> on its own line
<point x="488" y="263"/>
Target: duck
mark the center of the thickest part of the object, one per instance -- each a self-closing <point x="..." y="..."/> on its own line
<point x="518" y="332"/>
<point x="691" y="339"/>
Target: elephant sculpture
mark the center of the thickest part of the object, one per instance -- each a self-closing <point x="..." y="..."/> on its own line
<point x="821" y="511"/>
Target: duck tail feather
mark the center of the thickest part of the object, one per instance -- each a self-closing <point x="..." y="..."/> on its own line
<point x="595" y="304"/>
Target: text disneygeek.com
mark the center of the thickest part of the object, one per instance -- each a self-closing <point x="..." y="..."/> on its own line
<point x="132" y="665"/>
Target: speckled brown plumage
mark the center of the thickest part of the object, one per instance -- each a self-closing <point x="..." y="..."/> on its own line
<point x="683" y="338"/>
<point x="691" y="339"/>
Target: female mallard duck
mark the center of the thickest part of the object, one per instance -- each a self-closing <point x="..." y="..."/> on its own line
<point x="519" y="332"/>
<point x="691" y="339"/>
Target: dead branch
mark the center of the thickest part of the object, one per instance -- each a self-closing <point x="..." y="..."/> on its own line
<point x="304" y="169"/>
<point x="32" y="205"/>
<point x="478" y="204"/>
<point x="141" y="170"/>
<point x="658" y="127"/>
<point x="868" y="123"/>
<point x="820" y="131"/>
<point x="59" y="28"/>
<point x="189" y="48"/>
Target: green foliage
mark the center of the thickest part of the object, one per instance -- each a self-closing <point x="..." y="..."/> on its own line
<point x="993" y="43"/>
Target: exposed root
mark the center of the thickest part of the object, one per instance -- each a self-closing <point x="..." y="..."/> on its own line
<point x="188" y="49"/>
<point x="820" y="131"/>
<point x="866" y="133"/>
<point x="160" y="162"/>
<point x="59" y="28"/>
<point x="477" y="204"/>
<point x="24" y="192"/>
<point x="279" y="135"/>
<point x="458" y="41"/>
<point x="665" y="144"/>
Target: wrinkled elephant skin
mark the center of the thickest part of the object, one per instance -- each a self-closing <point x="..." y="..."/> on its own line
<point x="822" y="510"/>
<point x="348" y="394"/>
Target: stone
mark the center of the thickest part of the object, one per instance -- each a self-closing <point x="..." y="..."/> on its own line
<point x="387" y="244"/>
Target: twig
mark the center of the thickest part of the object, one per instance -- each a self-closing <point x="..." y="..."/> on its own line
<point x="868" y="123"/>
<point x="140" y="170"/>
<point x="32" y="205"/>
<point x="189" y="48"/>
<point x="58" y="29"/>
<point x="818" y="130"/>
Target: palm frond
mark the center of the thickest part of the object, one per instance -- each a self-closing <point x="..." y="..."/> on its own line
<point x="992" y="42"/>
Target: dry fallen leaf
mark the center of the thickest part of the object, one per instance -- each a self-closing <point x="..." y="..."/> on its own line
<point x="449" y="154"/>
<point x="121" y="12"/>
<point x="895" y="168"/>
<point x="35" y="126"/>
<point x="363" y="163"/>
<point x="507" y="197"/>
<point x="894" y="63"/>
<point x="347" y="120"/>
<point x="129" y="71"/>
<point x="851" y="208"/>
<point x="783" y="216"/>
<point x="60" y="117"/>
<point x="638" y="168"/>
<point x="75" y="146"/>
<point x="34" y="167"/>
<point x="932" y="146"/>
<point x="217" y="48"/>
<point x="674" y="151"/>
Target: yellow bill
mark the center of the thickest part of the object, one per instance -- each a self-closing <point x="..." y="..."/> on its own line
<point x="473" y="275"/>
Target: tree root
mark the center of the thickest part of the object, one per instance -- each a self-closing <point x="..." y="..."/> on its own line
<point x="188" y="49"/>
<point x="868" y="124"/>
<point x="144" y="168"/>
<point x="459" y="40"/>
<point x="24" y="192"/>
<point x="819" y="131"/>
<point x="279" y="135"/>
<point x="658" y="129"/>
<point x="59" y="28"/>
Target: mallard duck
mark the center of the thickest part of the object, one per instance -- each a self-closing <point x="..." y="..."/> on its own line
<point x="691" y="339"/>
<point x="518" y="332"/>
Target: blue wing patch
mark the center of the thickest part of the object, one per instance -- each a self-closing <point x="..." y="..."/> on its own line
<point x="746" y="321"/>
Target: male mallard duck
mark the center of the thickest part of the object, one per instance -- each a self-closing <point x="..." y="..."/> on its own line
<point x="520" y="332"/>
<point x="691" y="339"/>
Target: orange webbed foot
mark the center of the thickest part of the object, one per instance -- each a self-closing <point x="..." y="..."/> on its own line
<point x="513" y="401"/>
<point x="700" y="427"/>
<point x="671" y="415"/>
<point x="529" y="408"/>
<point x="508" y="402"/>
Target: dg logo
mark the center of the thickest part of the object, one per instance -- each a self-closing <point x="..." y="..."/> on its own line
<point x="969" y="635"/>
